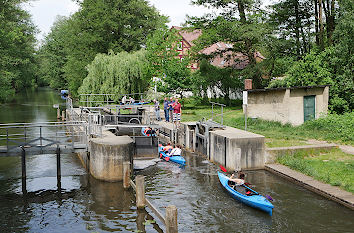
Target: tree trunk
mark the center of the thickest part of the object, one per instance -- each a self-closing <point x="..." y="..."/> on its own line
<point x="297" y="31"/>
<point x="321" y="42"/>
<point x="241" y="11"/>
<point x="331" y="21"/>
<point x="316" y="24"/>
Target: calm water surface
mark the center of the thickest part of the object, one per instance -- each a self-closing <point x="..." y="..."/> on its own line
<point x="87" y="205"/>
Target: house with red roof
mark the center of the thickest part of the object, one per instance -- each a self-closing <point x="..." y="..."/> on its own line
<point x="222" y="60"/>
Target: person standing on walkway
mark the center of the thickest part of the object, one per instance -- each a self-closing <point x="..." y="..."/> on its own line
<point x="157" y="109"/>
<point x="170" y="104"/>
<point x="124" y="100"/>
<point x="166" y="109"/>
<point x="177" y="113"/>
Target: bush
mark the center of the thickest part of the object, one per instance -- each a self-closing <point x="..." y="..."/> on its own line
<point x="334" y="126"/>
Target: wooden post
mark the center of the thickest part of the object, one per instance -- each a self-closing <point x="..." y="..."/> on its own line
<point x="23" y="161"/>
<point x="58" y="168"/>
<point x="126" y="175"/>
<point x="140" y="191"/>
<point x="171" y="219"/>
<point x="63" y="115"/>
<point x="58" y="113"/>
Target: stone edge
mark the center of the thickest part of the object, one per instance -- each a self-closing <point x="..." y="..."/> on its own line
<point x="322" y="192"/>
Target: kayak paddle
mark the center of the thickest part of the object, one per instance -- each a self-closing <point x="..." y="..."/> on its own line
<point x="222" y="168"/>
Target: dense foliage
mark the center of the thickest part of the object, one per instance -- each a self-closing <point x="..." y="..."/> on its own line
<point x="52" y="56"/>
<point x="116" y="74"/>
<point x="172" y="72"/>
<point x="98" y="27"/>
<point x="241" y="24"/>
<point x="333" y="65"/>
<point x="17" y="60"/>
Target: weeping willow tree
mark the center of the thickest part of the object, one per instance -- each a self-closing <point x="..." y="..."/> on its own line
<point x="117" y="74"/>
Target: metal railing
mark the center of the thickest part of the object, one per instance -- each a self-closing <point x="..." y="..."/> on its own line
<point x="90" y="100"/>
<point x="41" y="135"/>
<point x="216" y="115"/>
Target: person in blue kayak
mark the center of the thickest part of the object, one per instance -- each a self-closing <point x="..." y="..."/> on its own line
<point x="176" y="151"/>
<point x="167" y="149"/>
<point x="238" y="181"/>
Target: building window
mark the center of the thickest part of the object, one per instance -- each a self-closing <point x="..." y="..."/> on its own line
<point x="180" y="46"/>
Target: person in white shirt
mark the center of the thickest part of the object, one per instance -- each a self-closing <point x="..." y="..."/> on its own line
<point x="124" y="99"/>
<point x="176" y="151"/>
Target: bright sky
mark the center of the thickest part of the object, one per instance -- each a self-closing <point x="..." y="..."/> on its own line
<point x="44" y="12"/>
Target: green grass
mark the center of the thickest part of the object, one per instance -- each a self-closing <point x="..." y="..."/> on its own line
<point x="271" y="142"/>
<point x="333" y="167"/>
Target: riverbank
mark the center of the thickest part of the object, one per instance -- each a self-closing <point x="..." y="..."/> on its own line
<point x="330" y="166"/>
<point x="334" y="193"/>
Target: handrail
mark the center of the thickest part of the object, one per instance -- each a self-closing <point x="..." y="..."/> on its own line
<point x="222" y="110"/>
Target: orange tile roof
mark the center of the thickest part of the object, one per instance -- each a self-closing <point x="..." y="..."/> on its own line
<point x="224" y="59"/>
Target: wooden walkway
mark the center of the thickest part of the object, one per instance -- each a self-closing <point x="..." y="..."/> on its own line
<point x="334" y="193"/>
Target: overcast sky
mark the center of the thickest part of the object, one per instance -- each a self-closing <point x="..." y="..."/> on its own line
<point x="44" y="12"/>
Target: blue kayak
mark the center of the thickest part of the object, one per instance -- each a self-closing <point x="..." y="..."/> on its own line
<point x="176" y="159"/>
<point x="250" y="198"/>
<point x="141" y="103"/>
<point x="148" y="135"/>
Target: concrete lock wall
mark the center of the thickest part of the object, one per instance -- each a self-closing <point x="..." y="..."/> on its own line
<point x="237" y="149"/>
<point x="107" y="155"/>
<point x="286" y="105"/>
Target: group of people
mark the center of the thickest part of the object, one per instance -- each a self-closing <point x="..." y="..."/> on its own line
<point x="173" y="110"/>
<point x="172" y="151"/>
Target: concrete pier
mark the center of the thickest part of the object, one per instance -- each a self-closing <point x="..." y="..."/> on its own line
<point x="237" y="149"/>
<point x="107" y="155"/>
<point x="233" y="148"/>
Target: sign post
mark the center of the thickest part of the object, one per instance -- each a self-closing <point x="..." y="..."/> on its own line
<point x="245" y="98"/>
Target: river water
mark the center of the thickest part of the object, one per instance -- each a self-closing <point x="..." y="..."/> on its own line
<point x="87" y="205"/>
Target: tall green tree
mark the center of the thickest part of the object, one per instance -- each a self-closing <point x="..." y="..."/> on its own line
<point x="117" y="74"/>
<point x="100" y="26"/>
<point x="240" y="23"/>
<point x="17" y="39"/>
<point x="52" y="56"/>
<point x="293" y="22"/>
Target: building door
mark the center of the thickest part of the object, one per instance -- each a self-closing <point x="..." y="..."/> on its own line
<point x="309" y="107"/>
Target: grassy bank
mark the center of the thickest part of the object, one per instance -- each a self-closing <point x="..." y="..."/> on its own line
<point x="333" y="167"/>
<point x="333" y="128"/>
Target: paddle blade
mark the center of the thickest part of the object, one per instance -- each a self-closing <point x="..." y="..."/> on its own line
<point x="269" y="198"/>
<point x="167" y="158"/>
<point x="222" y="168"/>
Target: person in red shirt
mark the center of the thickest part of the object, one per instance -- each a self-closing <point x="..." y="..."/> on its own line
<point x="177" y="111"/>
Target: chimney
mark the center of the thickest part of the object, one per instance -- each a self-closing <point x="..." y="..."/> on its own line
<point x="248" y="84"/>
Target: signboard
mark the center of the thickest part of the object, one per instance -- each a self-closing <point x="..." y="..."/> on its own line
<point x="245" y="97"/>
